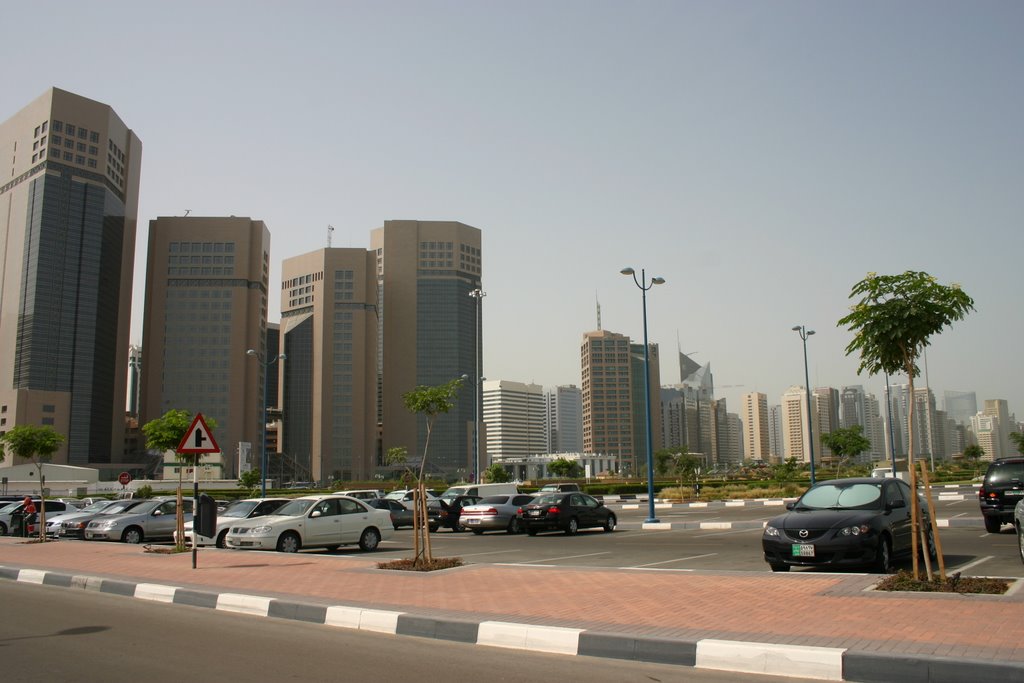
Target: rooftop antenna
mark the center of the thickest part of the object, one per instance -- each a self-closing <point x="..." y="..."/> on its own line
<point x="598" y="302"/>
<point x="187" y="212"/>
<point x="330" y="232"/>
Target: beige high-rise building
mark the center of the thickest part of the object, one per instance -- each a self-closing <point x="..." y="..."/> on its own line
<point x="755" y="426"/>
<point x="999" y="409"/>
<point x="206" y="305"/>
<point x="429" y="335"/>
<point x="794" y="425"/>
<point x="68" y="210"/>
<point x="329" y="384"/>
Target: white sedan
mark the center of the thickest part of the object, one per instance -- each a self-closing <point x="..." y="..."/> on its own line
<point x="248" y="508"/>
<point x="327" y="521"/>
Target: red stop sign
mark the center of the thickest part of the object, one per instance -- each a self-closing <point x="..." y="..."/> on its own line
<point x="124" y="479"/>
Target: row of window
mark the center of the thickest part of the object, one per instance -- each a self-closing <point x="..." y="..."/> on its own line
<point x="55" y="154"/>
<point x="201" y="247"/>
<point x="207" y="270"/>
<point x="201" y="260"/>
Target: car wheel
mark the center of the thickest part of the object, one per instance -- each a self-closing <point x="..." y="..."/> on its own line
<point x="531" y="532"/>
<point x="992" y="525"/>
<point x="1020" y="543"/>
<point x="331" y="548"/>
<point x="395" y="525"/>
<point x="883" y="557"/>
<point x="289" y="542"/>
<point x="609" y="524"/>
<point x="513" y="526"/>
<point x="132" y="534"/>
<point x="573" y="527"/>
<point x="222" y="539"/>
<point x="3" y="529"/>
<point x="780" y="567"/>
<point x="478" y="532"/>
<point x="929" y="545"/>
<point x="433" y="529"/>
<point x="370" y="539"/>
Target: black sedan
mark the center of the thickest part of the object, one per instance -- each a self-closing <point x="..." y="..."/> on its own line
<point x="858" y="522"/>
<point x="568" y="512"/>
<point x="400" y="515"/>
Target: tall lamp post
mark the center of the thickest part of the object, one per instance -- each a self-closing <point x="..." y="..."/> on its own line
<point x="804" y="334"/>
<point x="644" y="285"/>
<point x="479" y="295"/>
<point x="263" y="414"/>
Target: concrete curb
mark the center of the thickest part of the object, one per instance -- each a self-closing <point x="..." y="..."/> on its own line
<point x="821" y="663"/>
<point x="754" y="524"/>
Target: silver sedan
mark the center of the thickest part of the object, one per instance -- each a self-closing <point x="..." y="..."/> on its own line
<point x="495" y="513"/>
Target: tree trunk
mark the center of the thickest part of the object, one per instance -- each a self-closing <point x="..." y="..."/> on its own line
<point x="914" y="507"/>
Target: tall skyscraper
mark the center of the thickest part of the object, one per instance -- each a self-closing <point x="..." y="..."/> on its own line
<point x="515" y="416"/>
<point x="607" y="397"/>
<point x="794" y="425"/>
<point x="960" y="406"/>
<point x="68" y="212"/>
<point x="999" y="409"/>
<point x="755" y="426"/>
<point x="427" y="334"/>
<point x="329" y="382"/>
<point x="206" y="305"/>
<point x="564" y="406"/>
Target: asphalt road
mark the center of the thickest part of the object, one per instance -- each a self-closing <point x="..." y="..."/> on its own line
<point x="58" y="634"/>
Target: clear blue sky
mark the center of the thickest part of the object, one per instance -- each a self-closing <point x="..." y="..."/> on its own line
<point x="762" y="157"/>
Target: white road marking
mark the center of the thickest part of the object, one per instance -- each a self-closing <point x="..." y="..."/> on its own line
<point x="678" y="559"/>
<point x="567" y="557"/>
<point x="971" y="565"/>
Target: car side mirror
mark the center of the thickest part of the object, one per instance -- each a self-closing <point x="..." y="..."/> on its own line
<point x="315" y="513"/>
<point x="790" y="506"/>
<point x="897" y="504"/>
<point x="157" y="513"/>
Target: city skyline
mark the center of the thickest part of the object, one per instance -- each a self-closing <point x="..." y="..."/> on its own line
<point x="761" y="158"/>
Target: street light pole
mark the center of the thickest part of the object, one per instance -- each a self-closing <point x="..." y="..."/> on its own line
<point x="804" y="334"/>
<point x="263" y="414"/>
<point x="644" y="286"/>
<point x="479" y="295"/>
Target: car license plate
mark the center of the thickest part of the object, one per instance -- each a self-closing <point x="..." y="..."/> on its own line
<point x="1014" y="492"/>
<point x="535" y="513"/>
<point x="472" y="521"/>
<point x="803" y="550"/>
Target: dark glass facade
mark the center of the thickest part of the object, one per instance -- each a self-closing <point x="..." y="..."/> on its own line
<point x="298" y="382"/>
<point x="68" y="309"/>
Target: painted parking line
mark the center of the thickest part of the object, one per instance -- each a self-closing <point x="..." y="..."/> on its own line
<point x="567" y="557"/>
<point x="678" y="559"/>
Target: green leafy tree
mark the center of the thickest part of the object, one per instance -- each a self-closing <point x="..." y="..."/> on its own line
<point x="164" y="434"/>
<point x="892" y="323"/>
<point x="846" y="443"/>
<point x="36" y="444"/>
<point x="496" y="474"/>
<point x="786" y="471"/>
<point x="431" y="402"/>
<point x="564" y="468"/>
<point x="1018" y="440"/>
<point x="250" y="479"/>
<point x="973" y="454"/>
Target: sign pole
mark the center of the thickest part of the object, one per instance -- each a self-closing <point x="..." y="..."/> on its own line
<point x="197" y="441"/>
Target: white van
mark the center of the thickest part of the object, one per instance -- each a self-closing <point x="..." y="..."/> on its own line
<point x="480" y="490"/>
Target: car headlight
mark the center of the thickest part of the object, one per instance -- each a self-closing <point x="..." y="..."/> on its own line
<point x="106" y="525"/>
<point x="261" y="529"/>
<point x="856" y="530"/>
<point x="771" y="531"/>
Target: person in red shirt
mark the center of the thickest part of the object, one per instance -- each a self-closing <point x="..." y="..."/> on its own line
<point x="29" y="511"/>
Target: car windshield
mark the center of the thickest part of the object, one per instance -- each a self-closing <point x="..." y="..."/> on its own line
<point x="842" y="497"/>
<point x="295" y="508"/>
<point x="10" y="507"/>
<point x="97" y="506"/>
<point x="548" y="499"/>
<point x="1005" y="472"/>
<point x="494" y="500"/>
<point x="395" y="495"/>
<point x="239" y="509"/>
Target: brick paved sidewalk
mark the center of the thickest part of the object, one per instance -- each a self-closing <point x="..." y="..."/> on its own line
<point x="798" y="608"/>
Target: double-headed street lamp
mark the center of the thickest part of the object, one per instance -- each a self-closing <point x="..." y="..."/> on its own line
<point x="479" y="295"/>
<point x="804" y="334"/>
<point x="644" y="286"/>
<point x="263" y="413"/>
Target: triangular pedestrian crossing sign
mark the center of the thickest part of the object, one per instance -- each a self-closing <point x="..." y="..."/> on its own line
<point x="198" y="438"/>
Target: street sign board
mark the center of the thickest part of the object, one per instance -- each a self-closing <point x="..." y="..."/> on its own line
<point x="198" y="438"/>
<point x="124" y="479"/>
